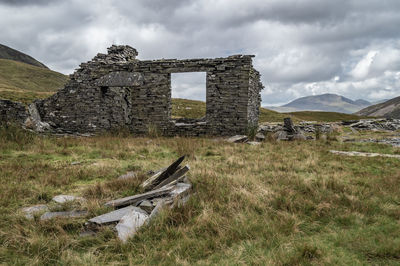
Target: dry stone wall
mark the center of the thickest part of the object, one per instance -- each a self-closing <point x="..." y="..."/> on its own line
<point x="116" y="90"/>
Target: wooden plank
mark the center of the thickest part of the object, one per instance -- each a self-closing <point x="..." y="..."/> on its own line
<point x="159" y="177"/>
<point x="174" y="178"/>
<point x="131" y="200"/>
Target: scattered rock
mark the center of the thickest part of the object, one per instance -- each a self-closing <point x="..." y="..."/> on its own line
<point x="66" y="198"/>
<point x="75" y="163"/>
<point x="66" y="214"/>
<point x="253" y="143"/>
<point x="128" y="175"/>
<point x="147" y="206"/>
<point x="137" y="198"/>
<point x="112" y="217"/>
<point x="280" y="135"/>
<point x="298" y="136"/>
<point x="364" y="154"/>
<point x="32" y="210"/>
<point x="238" y="139"/>
<point x="260" y="136"/>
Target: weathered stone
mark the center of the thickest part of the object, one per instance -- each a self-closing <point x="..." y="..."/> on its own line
<point x="237" y="139"/>
<point x="364" y="154"/>
<point x="298" y="136"/>
<point x="128" y="175"/>
<point x="66" y="198"/>
<point x="32" y="210"/>
<point x="260" y="137"/>
<point x="288" y="126"/>
<point x="137" y="198"/>
<point x="254" y="143"/>
<point x="146" y="205"/>
<point x="130" y="224"/>
<point x="66" y="214"/>
<point x="180" y="190"/>
<point x="114" y="216"/>
<point x="280" y="135"/>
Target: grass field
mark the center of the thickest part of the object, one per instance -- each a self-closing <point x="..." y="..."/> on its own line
<point x="280" y="203"/>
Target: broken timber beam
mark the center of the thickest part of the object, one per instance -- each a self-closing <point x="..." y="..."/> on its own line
<point x="156" y="179"/>
<point x="174" y="178"/>
<point x="136" y="198"/>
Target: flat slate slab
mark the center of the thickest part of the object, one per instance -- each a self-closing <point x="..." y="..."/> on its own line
<point x="32" y="210"/>
<point x="66" y="198"/>
<point x="131" y="200"/>
<point x="180" y="190"/>
<point x="67" y="214"/>
<point x="364" y="154"/>
<point x="237" y="139"/>
<point x="114" y="216"/>
<point x="130" y="224"/>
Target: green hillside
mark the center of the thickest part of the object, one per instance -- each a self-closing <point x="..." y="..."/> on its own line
<point x="24" y="83"/>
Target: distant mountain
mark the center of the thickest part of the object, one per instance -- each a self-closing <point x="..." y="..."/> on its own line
<point x="388" y="109"/>
<point x="12" y="54"/>
<point x="324" y="102"/>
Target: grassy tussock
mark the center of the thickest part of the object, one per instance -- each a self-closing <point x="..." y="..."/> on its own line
<point x="286" y="203"/>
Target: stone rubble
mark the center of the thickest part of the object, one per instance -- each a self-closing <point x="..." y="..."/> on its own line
<point x="165" y="187"/>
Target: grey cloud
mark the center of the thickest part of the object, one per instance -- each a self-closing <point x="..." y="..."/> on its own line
<point x="301" y="47"/>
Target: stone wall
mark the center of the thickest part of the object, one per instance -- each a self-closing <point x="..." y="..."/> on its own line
<point x="12" y="112"/>
<point x="116" y="90"/>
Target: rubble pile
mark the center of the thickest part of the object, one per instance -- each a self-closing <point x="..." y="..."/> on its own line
<point x="166" y="187"/>
<point x="376" y="124"/>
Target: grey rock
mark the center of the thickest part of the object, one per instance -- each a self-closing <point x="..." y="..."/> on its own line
<point x="66" y="198"/>
<point x="280" y="135"/>
<point x="130" y="224"/>
<point x="32" y="210"/>
<point x="66" y="214"/>
<point x="237" y="139"/>
<point x="254" y="143"/>
<point x="128" y="175"/>
<point x="146" y="206"/>
<point x="260" y="137"/>
<point x="114" y="216"/>
<point x="132" y="200"/>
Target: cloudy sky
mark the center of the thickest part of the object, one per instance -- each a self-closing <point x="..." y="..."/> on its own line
<point x="302" y="47"/>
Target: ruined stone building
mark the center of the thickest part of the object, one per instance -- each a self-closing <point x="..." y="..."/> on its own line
<point x="117" y="90"/>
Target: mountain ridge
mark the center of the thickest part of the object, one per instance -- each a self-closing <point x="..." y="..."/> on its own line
<point x="388" y="109"/>
<point x="327" y="102"/>
<point x="15" y="55"/>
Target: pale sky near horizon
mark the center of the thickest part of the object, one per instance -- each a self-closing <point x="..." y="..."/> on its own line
<point x="307" y="47"/>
